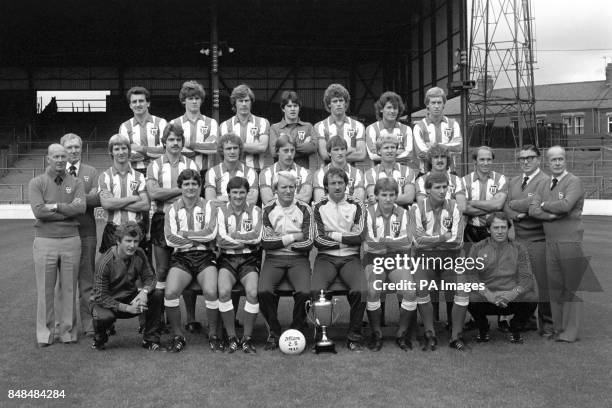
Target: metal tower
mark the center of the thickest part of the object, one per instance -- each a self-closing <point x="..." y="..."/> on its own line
<point x="501" y="62"/>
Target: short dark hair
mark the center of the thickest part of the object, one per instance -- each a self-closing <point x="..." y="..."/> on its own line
<point x="386" y="184"/>
<point x="335" y="141"/>
<point x="500" y="215"/>
<point x="334" y="171"/>
<point x="436" y="178"/>
<point x="290" y="96"/>
<point x="191" y="88"/>
<point x="130" y="228"/>
<point x="231" y="138"/>
<point x="532" y="148"/>
<point x="240" y="92"/>
<point x="392" y="97"/>
<point x="173" y="128"/>
<point x="237" y="182"/>
<point x="188" y="174"/>
<point x="138" y="90"/>
<point x="487" y="148"/>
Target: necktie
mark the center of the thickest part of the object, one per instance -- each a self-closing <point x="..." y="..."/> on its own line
<point x="525" y="180"/>
<point x="554" y="183"/>
<point x="58" y="180"/>
<point x="72" y="170"/>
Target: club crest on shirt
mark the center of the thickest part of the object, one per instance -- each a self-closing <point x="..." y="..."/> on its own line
<point x="447" y="222"/>
<point x="351" y="181"/>
<point x="301" y="135"/>
<point x="254" y="131"/>
<point x="395" y="227"/>
<point x="86" y="178"/>
<point x="298" y="181"/>
<point x="247" y="224"/>
<point x="400" y="139"/>
<point x="351" y="132"/>
<point x="204" y="130"/>
<point x="493" y="189"/>
<point x="447" y="133"/>
<point x="154" y="131"/>
<point x="199" y="217"/>
<point x="561" y="196"/>
<point x="134" y="185"/>
<point x="68" y="189"/>
<point x="530" y="194"/>
<point x="402" y="181"/>
<point x="451" y="188"/>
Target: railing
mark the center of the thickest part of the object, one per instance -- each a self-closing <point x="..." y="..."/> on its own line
<point x="11" y="187"/>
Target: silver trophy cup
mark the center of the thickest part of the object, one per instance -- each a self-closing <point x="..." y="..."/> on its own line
<point x="321" y="313"/>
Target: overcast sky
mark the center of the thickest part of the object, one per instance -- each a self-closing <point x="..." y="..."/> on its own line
<point x="572" y="25"/>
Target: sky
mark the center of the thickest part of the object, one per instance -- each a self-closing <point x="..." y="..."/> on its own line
<point x="572" y="25"/>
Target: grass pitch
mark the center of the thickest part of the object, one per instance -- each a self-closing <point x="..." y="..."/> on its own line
<point x="539" y="373"/>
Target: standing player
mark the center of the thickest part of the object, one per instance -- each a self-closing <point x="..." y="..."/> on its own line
<point x="285" y="147"/>
<point x="387" y="148"/>
<point x="201" y="132"/>
<point x="336" y="100"/>
<point x="337" y="152"/>
<point x="302" y="132"/>
<point x="116" y="294"/>
<point x="390" y="232"/>
<point x="486" y="192"/>
<point x="143" y="130"/>
<point x="287" y="238"/>
<point x="57" y="199"/>
<point x="340" y="229"/>
<point x="530" y="230"/>
<point x="559" y="203"/>
<point x="436" y="129"/>
<point x="240" y="230"/>
<point x="163" y="188"/>
<point x="230" y="148"/>
<point x="438" y="162"/>
<point x="253" y="130"/>
<point x="87" y="224"/>
<point x="439" y="236"/>
<point x="388" y="108"/>
<point x="190" y="228"/>
<point x="123" y="192"/>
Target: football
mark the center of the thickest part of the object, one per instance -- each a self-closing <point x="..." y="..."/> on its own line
<point x="292" y="342"/>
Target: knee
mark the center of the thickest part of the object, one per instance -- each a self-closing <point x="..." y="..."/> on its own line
<point x="225" y="293"/>
<point x="171" y="294"/>
<point x="251" y="295"/>
<point x="210" y="293"/>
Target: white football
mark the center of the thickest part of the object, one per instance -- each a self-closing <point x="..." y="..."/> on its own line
<point x="292" y="342"/>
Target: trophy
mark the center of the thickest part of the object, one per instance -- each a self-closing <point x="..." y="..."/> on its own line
<point x="321" y="313"/>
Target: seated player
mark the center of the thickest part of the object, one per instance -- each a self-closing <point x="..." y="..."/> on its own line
<point x="439" y="237"/>
<point x="387" y="148"/>
<point x="115" y="294"/>
<point x="340" y="229"/>
<point x="287" y="238"/>
<point x="389" y="233"/>
<point x="240" y="228"/>
<point x="507" y="278"/>
<point x="230" y="149"/>
<point x="284" y="148"/>
<point x="190" y="228"/>
<point x="337" y="151"/>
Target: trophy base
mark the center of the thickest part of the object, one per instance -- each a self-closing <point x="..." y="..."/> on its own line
<point x="327" y="347"/>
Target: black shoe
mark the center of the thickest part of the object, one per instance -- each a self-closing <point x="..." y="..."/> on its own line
<point x="471" y="325"/>
<point x="151" y="345"/>
<point x="354" y="346"/>
<point x="483" y="336"/>
<point x="111" y="331"/>
<point x="247" y="347"/>
<point x="376" y="342"/>
<point x="44" y="345"/>
<point x="271" y="343"/>
<point x="458" y="345"/>
<point x="177" y="345"/>
<point x="232" y="344"/>
<point x="403" y="343"/>
<point x="531" y="325"/>
<point x="193" y="327"/>
<point x="215" y="344"/>
<point x="516" y="338"/>
<point x="503" y="326"/>
<point x="96" y="345"/>
<point x="431" y="341"/>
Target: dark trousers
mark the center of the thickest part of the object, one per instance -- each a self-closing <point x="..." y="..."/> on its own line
<point x="348" y="268"/>
<point x="104" y="318"/>
<point x="521" y="311"/>
<point x="475" y="234"/>
<point x="296" y="269"/>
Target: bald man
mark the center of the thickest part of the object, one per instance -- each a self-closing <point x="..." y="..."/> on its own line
<point x="56" y="198"/>
<point x="559" y="203"/>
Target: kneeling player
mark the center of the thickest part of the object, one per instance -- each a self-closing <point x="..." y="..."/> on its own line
<point x="239" y="225"/>
<point x="190" y="228"/>
<point x="390" y="233"/>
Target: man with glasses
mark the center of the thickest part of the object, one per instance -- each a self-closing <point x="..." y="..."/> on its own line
<point x="530" y="230"/>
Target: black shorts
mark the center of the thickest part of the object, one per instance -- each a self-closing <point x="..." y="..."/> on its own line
<point x="158" y="238"/>
<point x="368" y="259"/>
<point x="193" y="262"/>
<point x="240" y="265"/>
